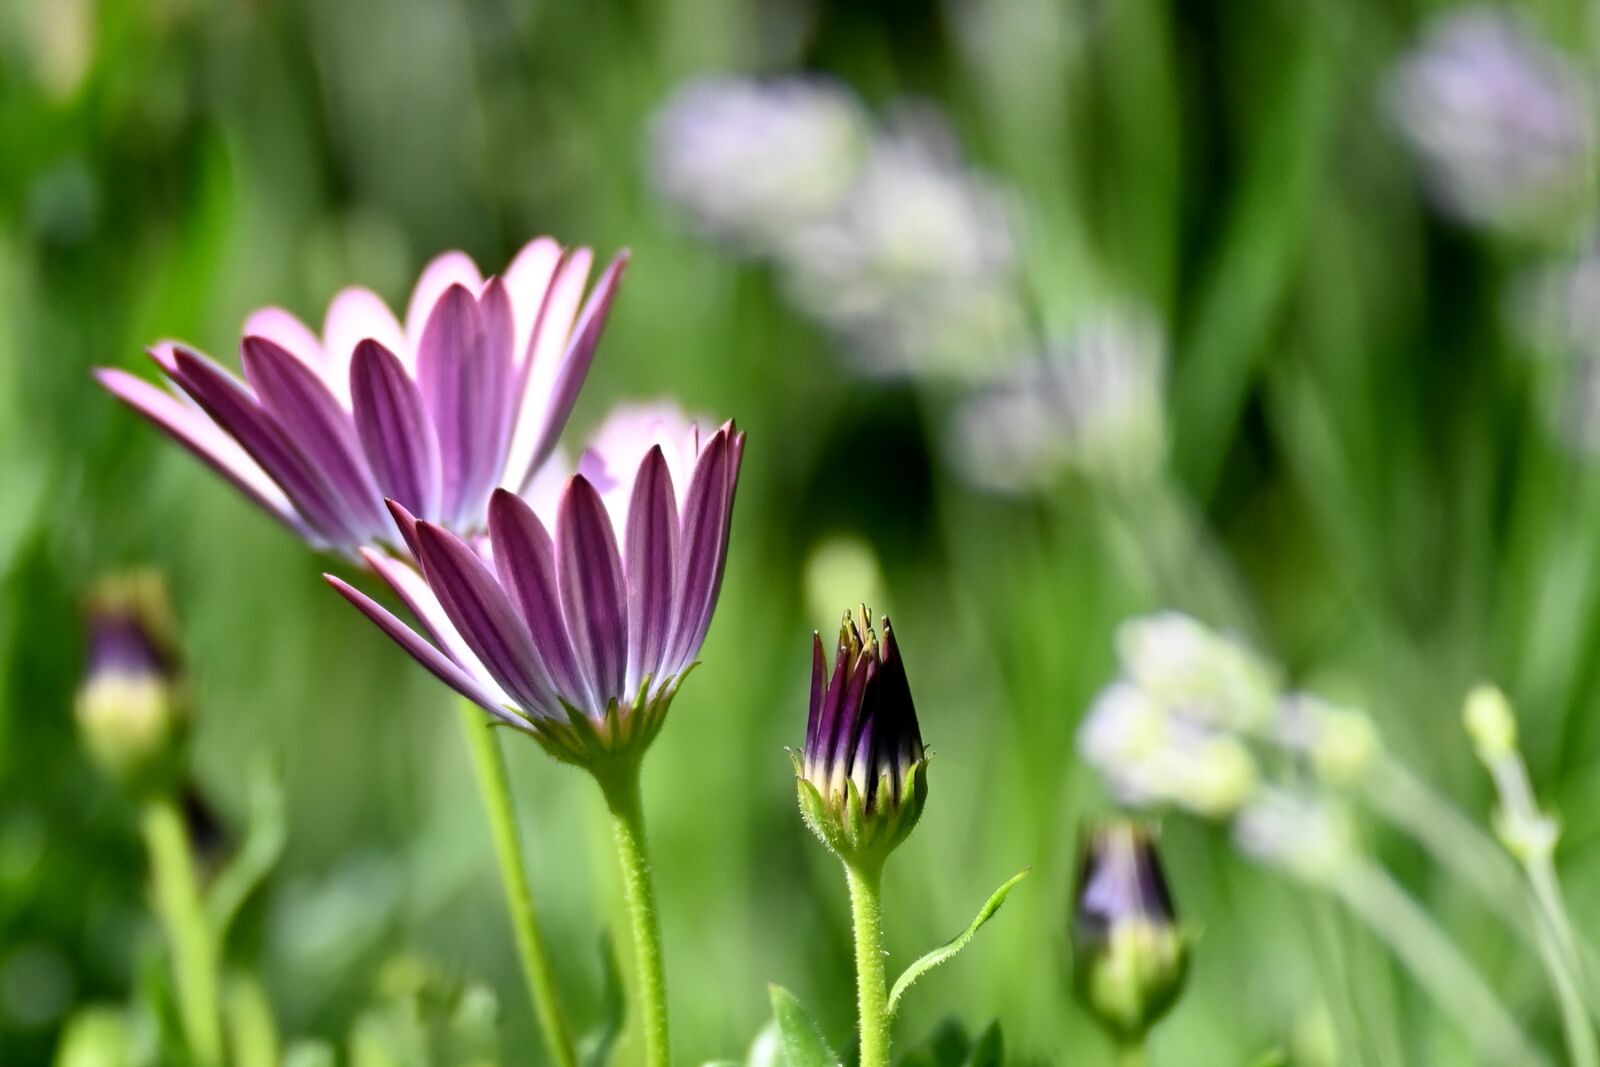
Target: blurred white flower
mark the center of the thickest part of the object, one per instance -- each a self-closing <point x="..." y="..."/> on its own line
<point x="1198" y="672"/>
<point x="1503" y="125"/>
<point x="1092" y="404"/>
<point x="1149" y="756"/>
<point x="1555" y="307"/>
<point x="917" y="269"/>
<point x="750" y="162"/>
<point x="1302" y="835"/>
<point x="1341" y="744"/>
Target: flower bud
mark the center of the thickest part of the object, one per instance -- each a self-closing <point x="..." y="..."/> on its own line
<point x="1129" y="955"/>
<point x="862" y="776"/>
<point x="1490" y="723"/>
<point x="130" y="705"/>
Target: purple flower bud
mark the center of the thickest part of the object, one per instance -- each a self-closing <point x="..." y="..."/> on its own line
<point x="1129" y="955"/>
<point x="130" y="705"/>
<point x="861" y="776"/>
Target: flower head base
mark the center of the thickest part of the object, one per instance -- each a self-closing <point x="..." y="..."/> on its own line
<point x="862" y="776"/>
<point x="130" y="707"/>
<point x="470" y="393"/>
<point x="578" y="624"/>
<point x="1129" y="955"/>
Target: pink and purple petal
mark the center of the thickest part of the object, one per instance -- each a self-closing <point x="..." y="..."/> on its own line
<point x="524" y="557"/>
<point x="650" y="544"/>
<point x="593" y="593"/>
<point x="464" y="374"/>
<point x="443" y="271"/>
<point x="412" y="589"/>
<point x="707" y="509"/>
<point x="430" y="657"/>
<point x="297" y="398"/>
<point x="236" y="411"/>
<point x="195" y="431"/>
<point x="483" y="616"/>
<point x="576" y="359"/>
<point x="357" y="315"/>
<point x="394" y="429"/>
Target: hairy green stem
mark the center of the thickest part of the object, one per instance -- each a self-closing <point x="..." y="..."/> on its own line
<point x="488" y="765"/>
<point x="183" y="921"/>
<point x="621" y="788"/>
<point x="866" y="913"/>
<point x="1131" y="1054"/>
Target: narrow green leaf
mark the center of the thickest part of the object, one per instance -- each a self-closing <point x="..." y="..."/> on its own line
<point x="950" y="948"/>
<point x="595" y="1047"/>
<point x="799" y="1036"/>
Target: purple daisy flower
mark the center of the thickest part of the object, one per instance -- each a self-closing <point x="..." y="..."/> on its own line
<point x="470" y="393"/>
<point x="578" y="615"/>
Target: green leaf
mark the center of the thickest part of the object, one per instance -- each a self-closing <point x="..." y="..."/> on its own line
<point x="595" y="1047"/>
<point x="799" y="1036"/>
<point x="947" y="1046"/>
<point x="950" y="948"/>
<point x="990" y="1050"/>
<point x="263" y="844"/>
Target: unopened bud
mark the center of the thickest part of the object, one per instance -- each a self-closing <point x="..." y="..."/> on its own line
<point x="1490" y="723"/>
<point x="130" y="704"/>
<point x="1129" y="955"/>
<point x="862" y="775"/>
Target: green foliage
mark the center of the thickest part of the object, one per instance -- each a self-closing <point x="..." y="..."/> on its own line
<point x="799" y="1037"/>
<point x="945" y="951"/>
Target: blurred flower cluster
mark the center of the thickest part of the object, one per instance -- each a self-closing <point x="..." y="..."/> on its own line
<point x="1188" y="722"/>
<point x="1199" y="722"/>
<point x="1092" y="404"/>
<point x="883" y="233"/>
<point x="1503" y="125"/>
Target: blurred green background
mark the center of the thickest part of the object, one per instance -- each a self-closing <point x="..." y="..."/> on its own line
<point x="1360" y="447"/>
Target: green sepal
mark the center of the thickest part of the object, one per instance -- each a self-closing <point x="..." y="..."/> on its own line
<point x="848" y="828"/>
<point x="621" y="734"/>
<point x="799" y="1036"/>
<point x="947" y="950"/>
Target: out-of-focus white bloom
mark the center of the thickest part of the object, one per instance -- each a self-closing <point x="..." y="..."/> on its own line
<point x="1150" y="757"/>
<point x="916" y="270"/>
<point x="1198" y="672"/>
<point x="1502" y="124"/>
<point x="751" y="162"/>
<point x="1341" y="743"/>
<point x="1093" y="404"/>
<point x="1556" y="306"/>
<point x="1306" y="836"/>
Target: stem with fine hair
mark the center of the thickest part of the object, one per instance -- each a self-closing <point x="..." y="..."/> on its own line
<point x="866" y="913"/>
<point x="1131" y="1054"/>
<point x="489" y="767"/>
<point x="183" y="921"/>
<point x="620" y="784"/>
